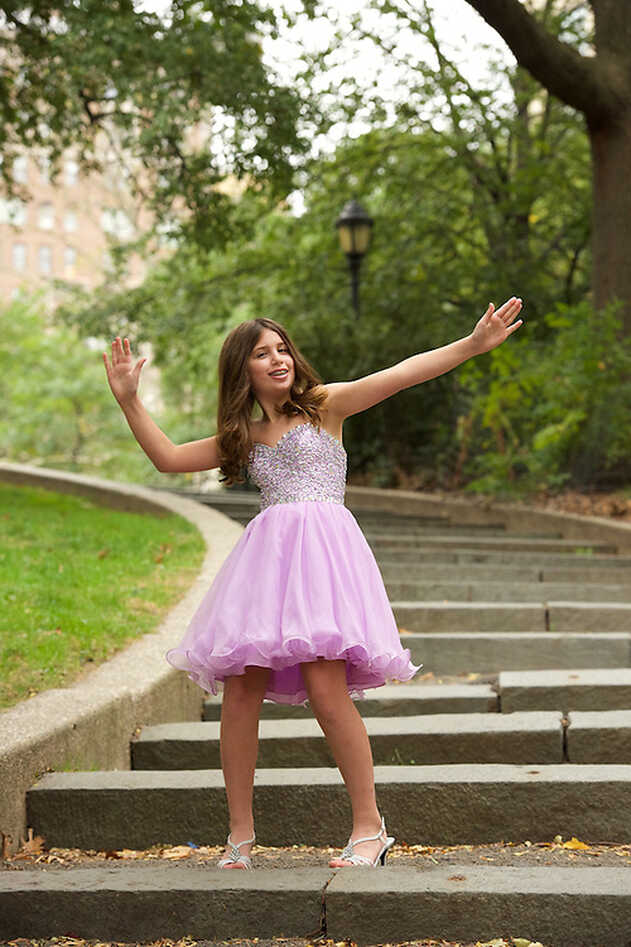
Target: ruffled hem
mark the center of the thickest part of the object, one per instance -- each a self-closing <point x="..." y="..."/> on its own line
<point x="285" y="686"/>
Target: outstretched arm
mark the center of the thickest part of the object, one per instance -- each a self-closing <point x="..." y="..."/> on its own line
<point x="167" y="457"/>
<point x="351" y="397"/>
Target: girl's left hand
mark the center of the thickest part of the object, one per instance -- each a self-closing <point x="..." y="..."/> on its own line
<point x="495" y="326"/>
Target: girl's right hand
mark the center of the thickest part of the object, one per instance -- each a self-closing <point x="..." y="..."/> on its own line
<point x="122" y="374"/>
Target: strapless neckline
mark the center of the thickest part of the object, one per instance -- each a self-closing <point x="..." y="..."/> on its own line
<point x="291" y="430"/>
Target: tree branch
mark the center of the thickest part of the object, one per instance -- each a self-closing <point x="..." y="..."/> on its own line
<point x="577" y="80"/>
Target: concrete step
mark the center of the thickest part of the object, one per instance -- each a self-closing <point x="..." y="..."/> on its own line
<point x="491" y="652"/>
<point x="504" y="591"/>
<point x="572" y="689"/>
<point x="430" y="805"/>
<point x="392" y="700"/>
<point x="580" y="906"/>
<point x="528" y="737"/>
<point x="557" y="616"/>
<point x="415" y="534"/>
<point x="492" y="544"/>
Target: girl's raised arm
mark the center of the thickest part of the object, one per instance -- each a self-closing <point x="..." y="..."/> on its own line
<point x="350" y="397"/>
<point x="166" y="456"/>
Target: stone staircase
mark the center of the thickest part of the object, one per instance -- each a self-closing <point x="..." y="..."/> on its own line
<point x="533" y="741"/>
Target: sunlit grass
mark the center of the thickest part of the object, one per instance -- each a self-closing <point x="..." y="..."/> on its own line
<point x="79" y="581"/>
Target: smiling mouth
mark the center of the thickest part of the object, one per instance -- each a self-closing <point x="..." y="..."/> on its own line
<point x="280" y="373"/>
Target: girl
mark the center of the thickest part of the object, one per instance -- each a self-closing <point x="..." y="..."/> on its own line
<point x="298" y="610"/>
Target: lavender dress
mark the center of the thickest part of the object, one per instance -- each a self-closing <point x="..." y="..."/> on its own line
<point x="301" y="583"/>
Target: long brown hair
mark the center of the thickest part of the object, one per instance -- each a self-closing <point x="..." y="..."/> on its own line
<point x="237" y="400"/>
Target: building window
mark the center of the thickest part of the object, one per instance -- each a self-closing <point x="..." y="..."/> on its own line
<point x="43" y="163"/>
<point x="46" y="216"/>
<point x="45" y="257"/>
<point x="116" y="223"/>
<point x="12" y="212"/>
<point x="70" y="221"/>
<point x="70" y="259"/>
<point x="71" y="172"/>
<point x="20" y="169"/>
<point x="19" y="256"/>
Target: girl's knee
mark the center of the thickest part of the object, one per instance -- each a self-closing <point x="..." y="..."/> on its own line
<point x="325" y="683"/>
<point x="247" y="687"/>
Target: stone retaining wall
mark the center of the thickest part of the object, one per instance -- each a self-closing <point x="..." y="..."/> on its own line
<point x="89" y="725"/>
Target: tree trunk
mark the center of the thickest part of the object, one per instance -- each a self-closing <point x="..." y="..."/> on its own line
<point x="611" y="227"/>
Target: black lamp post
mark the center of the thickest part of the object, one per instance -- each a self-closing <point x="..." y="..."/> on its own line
<point x="354" y="227"/>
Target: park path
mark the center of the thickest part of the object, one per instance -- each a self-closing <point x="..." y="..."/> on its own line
<point x="520" y="728"/>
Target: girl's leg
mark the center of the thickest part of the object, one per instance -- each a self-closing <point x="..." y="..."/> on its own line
<point x="240" y="710"/>
<point x="344" y="729"/>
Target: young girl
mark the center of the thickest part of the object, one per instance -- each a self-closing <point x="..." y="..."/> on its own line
<point x="298" y="610"/>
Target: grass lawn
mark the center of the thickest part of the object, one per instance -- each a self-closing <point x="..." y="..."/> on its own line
<point x="79" y="581"/>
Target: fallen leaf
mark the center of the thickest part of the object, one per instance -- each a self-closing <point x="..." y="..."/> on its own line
<point x="102" y="553"/>
<point x="575" y="844"/>
<point x="178" y="851"/>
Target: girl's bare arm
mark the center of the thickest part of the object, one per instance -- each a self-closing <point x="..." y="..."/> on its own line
<point x="347" y="398"/>
<point x="166" y="456"/>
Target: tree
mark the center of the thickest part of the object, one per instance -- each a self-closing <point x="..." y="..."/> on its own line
<point x="184" y="100"/>
<point x="599" y="86"/>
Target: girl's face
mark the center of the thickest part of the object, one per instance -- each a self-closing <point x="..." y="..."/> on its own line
<point x="270" y="366"/>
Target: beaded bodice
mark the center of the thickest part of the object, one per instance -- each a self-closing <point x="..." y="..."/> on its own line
<point x="305" y="464"/>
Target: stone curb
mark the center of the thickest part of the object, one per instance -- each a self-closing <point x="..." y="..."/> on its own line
<point x="90" y="723"/>
<point x="567" y="907"/>
<point x="464" y="803"/>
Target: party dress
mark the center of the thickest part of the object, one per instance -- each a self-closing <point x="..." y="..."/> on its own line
<point x="300" y="583"/>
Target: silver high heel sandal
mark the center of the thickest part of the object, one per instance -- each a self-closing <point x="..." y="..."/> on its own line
<point x="349" y="852"/>
<point x="234" y="857"/>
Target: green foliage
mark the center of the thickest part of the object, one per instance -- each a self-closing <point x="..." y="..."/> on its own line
<point x="57" y="409"/>
<point x="78" y="582"/>
<point x="184" y="98"/>
<point x="542" y="415"/>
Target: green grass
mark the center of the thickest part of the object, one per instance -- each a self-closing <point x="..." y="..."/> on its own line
<point x="79" y="581"/>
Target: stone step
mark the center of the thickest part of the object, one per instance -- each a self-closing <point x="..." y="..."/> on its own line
<point x="478" y="573"/>
<point x="491" y="652"/>
<point x="466" y="591"/>
<point x="392" y="700"/>
<point x="578" y="906"/>
<point x="572" y="689"/>
<point x="602" y="736"/>
<point x="527" y="737"/>
<point x="514" y="558"/>
<point x="430" y="805"/>
<point x="492" y="544"/>
<point x="415" y="535"/>
<point x="556" y="616"/>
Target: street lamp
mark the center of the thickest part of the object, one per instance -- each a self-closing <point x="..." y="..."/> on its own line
<point x="354" y="227"/>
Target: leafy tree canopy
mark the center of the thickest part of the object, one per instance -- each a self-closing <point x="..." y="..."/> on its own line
<point x="185" y="99"/>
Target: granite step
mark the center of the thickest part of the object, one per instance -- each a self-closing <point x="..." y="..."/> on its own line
<point x="391" y="700"/>
<point x="431" y="805"/>
<point x="492" y="544"/>
<point x="504" y="591"/>
<point x="526" y="737"/>
<point x="463" y="652"/>
<point x="572" y="689"/>
<point x="555" y="616"/>
<point x="580" y="906"/>
<point x="568" y="907"/>
<point x="514" y="558"/>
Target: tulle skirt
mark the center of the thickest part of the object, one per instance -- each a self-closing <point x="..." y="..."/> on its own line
<point x="300" y="584"/>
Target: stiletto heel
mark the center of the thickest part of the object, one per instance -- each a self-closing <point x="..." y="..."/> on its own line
<point x="234" y="857"/>
<point x="349" y="852"/>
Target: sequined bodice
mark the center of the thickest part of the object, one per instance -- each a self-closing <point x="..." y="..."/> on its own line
<point x="305" y="464"/>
